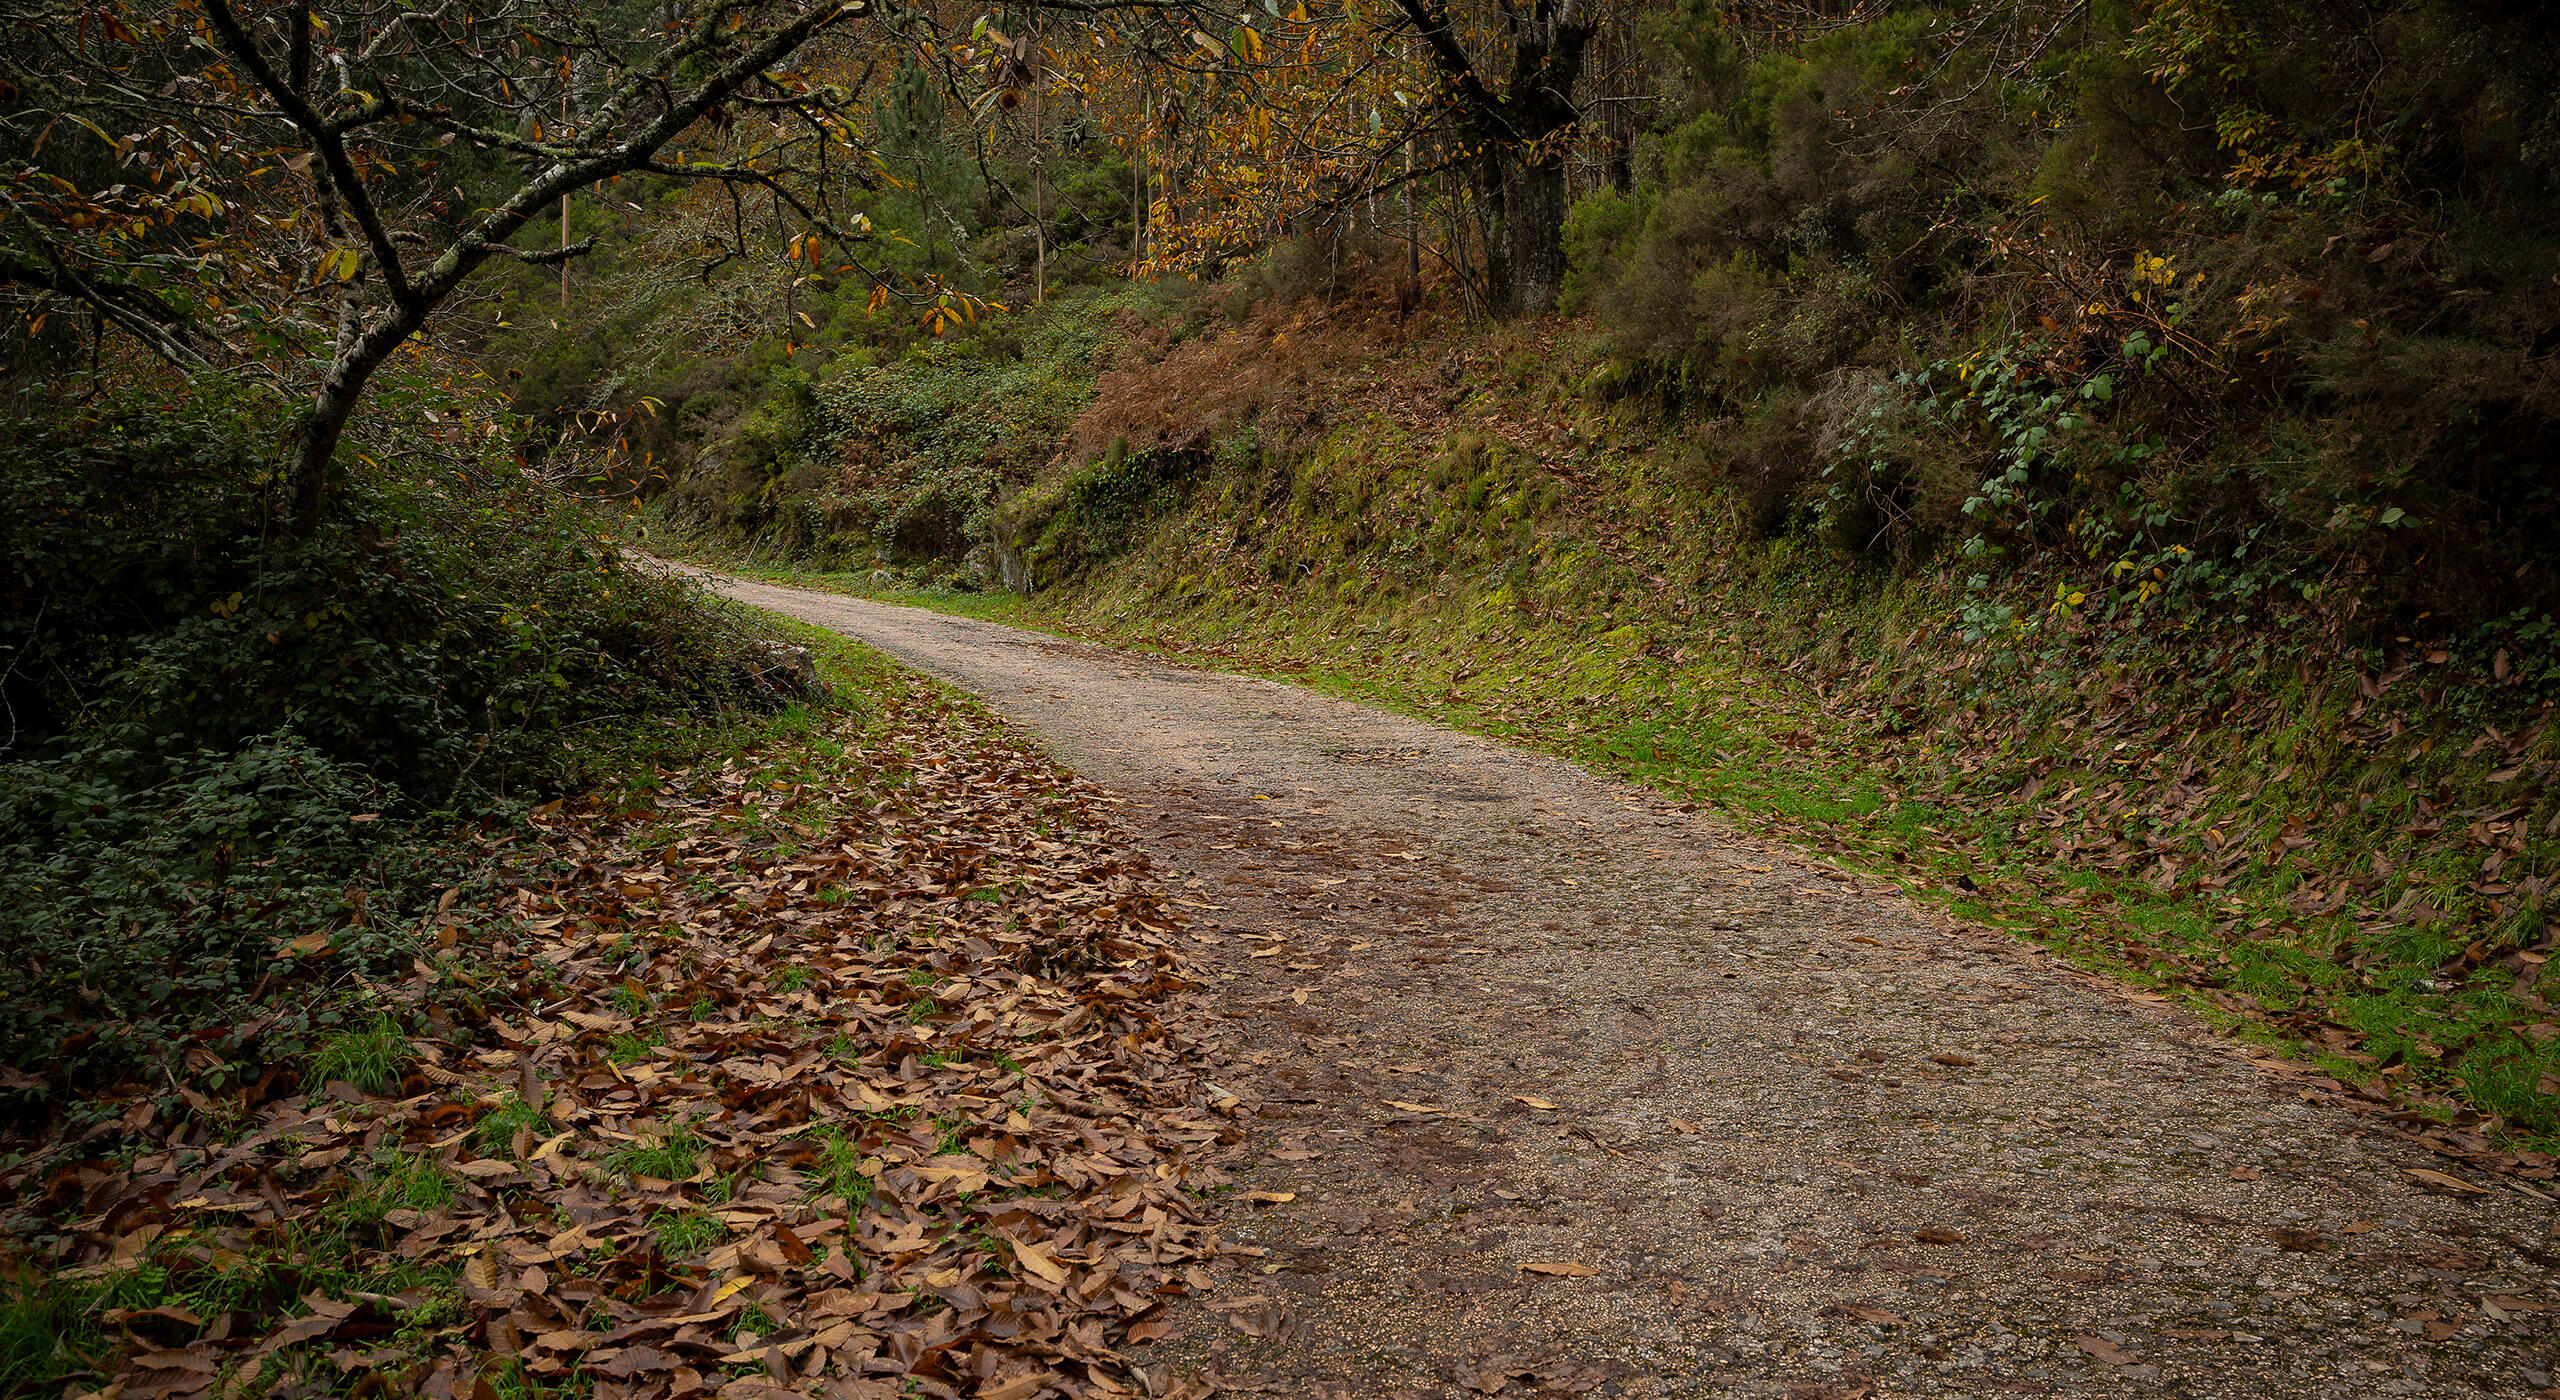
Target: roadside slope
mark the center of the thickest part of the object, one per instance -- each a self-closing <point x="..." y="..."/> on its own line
<point x="1563" y="1088"/>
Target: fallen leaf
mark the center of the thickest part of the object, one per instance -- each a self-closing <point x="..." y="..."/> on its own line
<point x="1038" y="1261"/>
<point x="1274" y="1197"/>
<point x="823" y="963"/>
<point x="1958" y="1061"/>
<point x="2444" y="1181"/>
<point x="1533" y="1101"/>
<point x="626" y="1361"/>
<point x="1560" y="1270"/>
<point x="2298" y="1241"/>
<point x="1413" y="1107"/>
<point x="1020" y="1387"/>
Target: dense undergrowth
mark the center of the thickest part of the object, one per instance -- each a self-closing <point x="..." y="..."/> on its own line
<point x="240" y="759"/>
<point x="778" y="402"/>
<point x="2218" y="309"/>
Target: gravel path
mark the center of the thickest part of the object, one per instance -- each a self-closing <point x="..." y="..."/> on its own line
<point x="1565" y="1090"/>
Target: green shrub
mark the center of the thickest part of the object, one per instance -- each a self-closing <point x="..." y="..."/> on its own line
<point x="223" y="737"/>
<point x="2170" y="319"/>
<point x="1067" y="527"/>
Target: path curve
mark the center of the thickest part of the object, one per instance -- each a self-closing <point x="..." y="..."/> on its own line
<point x="1573" y="1092"/>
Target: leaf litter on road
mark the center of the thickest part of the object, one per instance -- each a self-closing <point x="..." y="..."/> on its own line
<point x="738" y="1089"/>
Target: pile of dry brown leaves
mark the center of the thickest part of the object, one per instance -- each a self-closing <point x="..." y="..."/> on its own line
<point x="739" y="1089"/>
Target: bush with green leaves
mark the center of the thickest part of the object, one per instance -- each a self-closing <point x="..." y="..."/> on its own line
<point x="222" y="736"/>
<point x="2207" y="310"/>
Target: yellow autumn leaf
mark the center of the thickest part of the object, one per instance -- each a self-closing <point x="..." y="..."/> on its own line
<point x="1038" y="1261"/>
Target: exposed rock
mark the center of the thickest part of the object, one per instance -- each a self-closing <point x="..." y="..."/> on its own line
<point x="782" y="672"/>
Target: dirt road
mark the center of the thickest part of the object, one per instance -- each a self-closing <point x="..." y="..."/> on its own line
<point x="1564" y="1090"/>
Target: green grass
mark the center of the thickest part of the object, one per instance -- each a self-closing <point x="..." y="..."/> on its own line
<point x="754" y="1321"/>
<point x="673" y="1157"/>
<point x="369" y="1057"/>
<point x="398" y="1183"/>
<point x="632" y="1049"/>
<point x="48" y="1330"/>
<point x="51" y="1329"/>
<point x="509" y="1380"/>
<point x="496" y="1131"/>
<point x="837" y="1171"/>
<point x="683" y="1233"/>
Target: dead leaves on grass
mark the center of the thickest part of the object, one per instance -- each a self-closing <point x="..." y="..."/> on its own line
<point x="903" y="1101"/>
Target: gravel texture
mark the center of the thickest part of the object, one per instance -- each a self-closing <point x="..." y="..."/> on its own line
<point x="1570" y="1091"/>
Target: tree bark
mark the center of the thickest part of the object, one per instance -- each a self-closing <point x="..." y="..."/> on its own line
<point x="1537" y="206"/>
<point x="1524" y="132"/>
<point x="315" y="438"/>
<point x="1494" y="188"/>
<point x="1547" y="47"/>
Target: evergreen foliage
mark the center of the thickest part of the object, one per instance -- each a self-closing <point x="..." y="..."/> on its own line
<point x="226" y="737"/>
<point x="2211" y="303"/>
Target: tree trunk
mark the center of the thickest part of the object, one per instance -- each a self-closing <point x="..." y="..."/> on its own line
<point x="1524" y="132"/>
<point x="1537" y="208"/>
<point x="1546" y="61"/>
<point x="1498" y="235"/>
<point x="315" y="439"/>
<point x="315" y="442"/>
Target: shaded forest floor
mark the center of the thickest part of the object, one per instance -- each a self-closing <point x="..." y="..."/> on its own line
<point x="857" y="1056"/>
